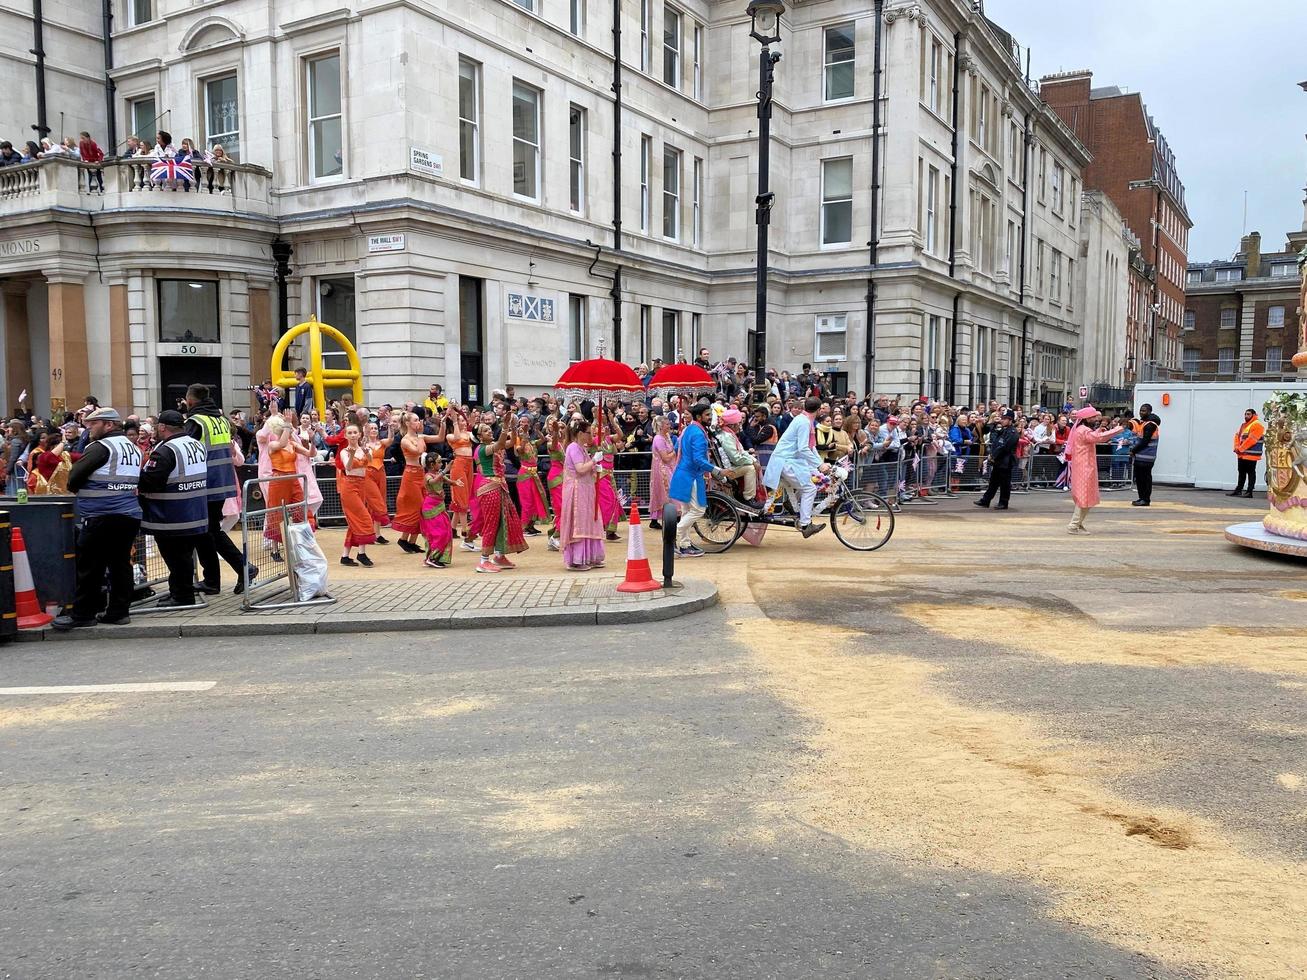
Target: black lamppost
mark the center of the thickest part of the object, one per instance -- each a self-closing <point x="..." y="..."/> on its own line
<point x="765" y="26"/>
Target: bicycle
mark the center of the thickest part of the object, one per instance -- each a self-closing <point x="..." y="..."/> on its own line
<point x="860" y="519"/>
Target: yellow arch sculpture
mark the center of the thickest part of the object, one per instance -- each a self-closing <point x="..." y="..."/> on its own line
<point x="321" y="378"/>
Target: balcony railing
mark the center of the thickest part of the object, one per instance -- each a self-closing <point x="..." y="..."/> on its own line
<point x="128" y="183"/>
<point x="1224" y="369"/>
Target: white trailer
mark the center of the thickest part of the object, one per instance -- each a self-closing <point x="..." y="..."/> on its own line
<point x="1199" y="420"/>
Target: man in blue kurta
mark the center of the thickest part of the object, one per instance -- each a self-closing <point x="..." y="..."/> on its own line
<point x="688" y="486"/>
<point x="794" y="461"/>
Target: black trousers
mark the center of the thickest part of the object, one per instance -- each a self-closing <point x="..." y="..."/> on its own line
<point x="1247" y="469"/>
<point x="214" y="545"/>
<point x="1000" y="482"/>
<point x="1144" y="479"/>
<point x="105" y="545"/>
<point x="176" y="550"/>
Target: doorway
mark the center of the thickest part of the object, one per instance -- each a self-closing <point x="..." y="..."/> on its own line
<point x="176" y="374"/>
<point x="471" y="339"/>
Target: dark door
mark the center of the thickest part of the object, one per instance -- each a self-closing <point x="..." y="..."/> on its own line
<point x="176" y="374"/>
<point x="471" y="339"/>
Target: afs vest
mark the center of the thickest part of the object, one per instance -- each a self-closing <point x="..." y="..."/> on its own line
<point x="1251" y="429"/>
<point x="1149" y="452"/>
<point x="216" y="437"/>
<point x="182" y="506"/>
<point x="112" y="488"/>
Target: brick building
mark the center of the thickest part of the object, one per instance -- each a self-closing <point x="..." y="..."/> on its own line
<point x="1241" y="315"/>
<point x="1133" y="164"/>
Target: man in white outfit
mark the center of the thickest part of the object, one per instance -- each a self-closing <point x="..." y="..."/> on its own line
<point x="794" y="461"/>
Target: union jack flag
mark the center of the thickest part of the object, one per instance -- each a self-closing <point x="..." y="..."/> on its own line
<point x="162" y="170"/>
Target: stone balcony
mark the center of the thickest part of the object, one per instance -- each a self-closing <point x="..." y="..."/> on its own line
<point x="62" y="184"/>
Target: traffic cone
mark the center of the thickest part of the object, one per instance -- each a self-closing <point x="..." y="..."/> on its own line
<point x="638" y="576"/>
<point x="30" y="614"/>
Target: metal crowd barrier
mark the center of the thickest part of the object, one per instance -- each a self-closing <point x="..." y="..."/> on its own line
<point x="274" y="560"/>
<point x="946" y="475"/>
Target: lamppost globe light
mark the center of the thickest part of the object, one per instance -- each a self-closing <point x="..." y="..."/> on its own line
<point x="766" y="18"/>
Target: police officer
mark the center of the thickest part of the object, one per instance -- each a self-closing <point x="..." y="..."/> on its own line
<point x="105" y="481"/>
<point x="207" y="425"/>
<point x="175" y="504"/>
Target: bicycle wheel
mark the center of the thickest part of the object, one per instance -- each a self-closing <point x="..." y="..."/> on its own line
<point x="862" y="521"/>
<point x="720" y="526"/>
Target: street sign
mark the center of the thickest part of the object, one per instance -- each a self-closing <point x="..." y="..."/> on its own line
<point x="1084" y="392"/>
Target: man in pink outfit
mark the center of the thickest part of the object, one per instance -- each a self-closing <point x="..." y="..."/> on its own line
<point x="1082" y="454"/>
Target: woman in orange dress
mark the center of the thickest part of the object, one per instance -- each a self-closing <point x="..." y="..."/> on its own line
<point x="460" y="473"/>
<point x="377" y="474"/>
<point x="412" y="490"/>
<point x="282" y="450"/>
<point x="357" y="496"/>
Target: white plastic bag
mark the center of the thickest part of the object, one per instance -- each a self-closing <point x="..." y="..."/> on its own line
<point x="310" y="562"/>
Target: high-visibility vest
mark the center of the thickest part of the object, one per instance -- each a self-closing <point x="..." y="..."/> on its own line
<point x="182" y="506"/>
<point x="112" y="487"/>
<point x="215" y="435"/>
<point x="1149" y="452"/>
<point x="1249" y="441"/>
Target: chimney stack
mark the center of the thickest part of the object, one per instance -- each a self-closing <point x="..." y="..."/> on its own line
<point x="1250" y="247"/>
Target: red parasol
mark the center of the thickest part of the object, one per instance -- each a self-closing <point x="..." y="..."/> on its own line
<point x="598" y="379"/>
<point x="682" y="379"/>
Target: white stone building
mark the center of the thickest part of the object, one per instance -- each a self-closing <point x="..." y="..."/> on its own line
<point x="444" y="176"/>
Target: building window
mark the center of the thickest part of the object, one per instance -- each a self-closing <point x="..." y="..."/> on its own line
<point x="830" y="342"/>
<point x="931" y="214"/>
<point x="1059" y="175"/>
<point x="526" y="5"/>
<point x="188" y="311"/>
<point x="1190" y="360"/>
<point x="1014" y="152"/>
<point x="1010" y="250"/>
<point x="145" y="121"/>
<point x="1043" y="173"/>
<point x="1275" y="316"/>
<point x="934" y="70"/>
<point x="697" y="78"/>
<point x="576" y="17"/>
<point x="326" y="151"/>
<point x="1075" y="202"/>
<point x="646" y="54"/>
<point x="982" y="119"/>
<point x="671" y="332"/>
<point x="337" y="306"/>
<point x="1274" y="359"/>
<point x="1284" y="269"/>
<point x="696" y="190"/>
<point x="222" y="126"/>
<point x="837" y="201"/>
<point x="1070" y="283"/>
<point x="576" y="345"/>
<point x="139" y="12"/>
<point x="671" y="193"/>
<point x="1039" y="265"/>
<point x="672" y="47"/>
<point x="645" y="324"/>
<point x="1190" y="319"/>
<point x="1227" y="318"/>
<point x="526" y="141"/>
<point x="839" y="62"/>
<point x="576" y="142"/>
<point x="1229" y="275"/>
<point x="1225" y="360"/>
<point x="646" y="169"/>
<point x="1195" y="275"/>
<point x="469" y="116"/>
<point x="1055" y="277"/>
<point x="696" y="327"/>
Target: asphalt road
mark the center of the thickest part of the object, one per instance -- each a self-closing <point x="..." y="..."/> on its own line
<point x="596" y="803"/>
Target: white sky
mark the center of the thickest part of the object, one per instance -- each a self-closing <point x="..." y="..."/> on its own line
<point x="1220" y="78"/>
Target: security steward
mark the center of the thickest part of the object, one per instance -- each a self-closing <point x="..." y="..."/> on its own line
<point x="1144" y="453"/>
<point x="105" y="481"/>
<point x="175" y="504"/>
<point x="1249" y="441"/>
<point x="207" y="425"/>
<point x="1002" y="457"/>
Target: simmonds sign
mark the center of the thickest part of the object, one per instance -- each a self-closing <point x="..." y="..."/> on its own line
<point x="14" y="248"/>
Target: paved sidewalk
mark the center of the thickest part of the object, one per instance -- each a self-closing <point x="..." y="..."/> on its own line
<point x="455" y="603"/>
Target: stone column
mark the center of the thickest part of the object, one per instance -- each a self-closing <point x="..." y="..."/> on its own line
<point x="18" y="344"/>
<point x="120" y="349"/>
<point x="70" y="376"/>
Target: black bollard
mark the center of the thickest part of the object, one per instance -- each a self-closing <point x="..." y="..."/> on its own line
<point x="671" y="518"/>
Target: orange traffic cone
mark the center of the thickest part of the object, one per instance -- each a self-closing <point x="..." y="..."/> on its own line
<point x="30" y="614"/>
<point x="638" y="576"/>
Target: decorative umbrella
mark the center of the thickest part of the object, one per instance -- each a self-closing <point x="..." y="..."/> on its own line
<point x="598" y="379"/>
<point x="688" y="380"/>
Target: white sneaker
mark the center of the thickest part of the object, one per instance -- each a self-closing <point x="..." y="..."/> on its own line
<point x="469" y="546"/>
<point x="553" y="544"/>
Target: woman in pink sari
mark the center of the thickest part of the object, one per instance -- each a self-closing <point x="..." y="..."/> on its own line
<point x="580" y="532"/>
<point x="555" y="436"/>
<point x="610" y="508"/>
<point x="660" y="470"/>
<point x="1082" y="455"/>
